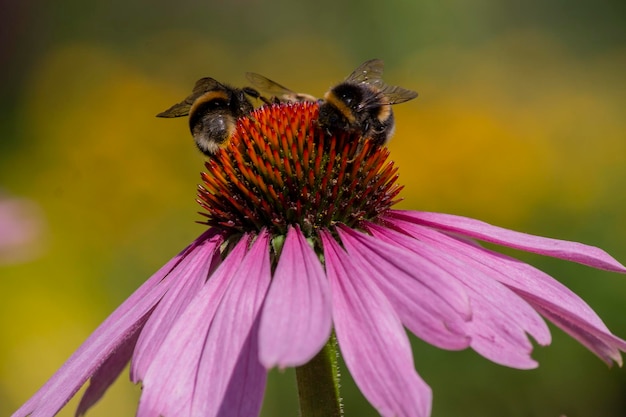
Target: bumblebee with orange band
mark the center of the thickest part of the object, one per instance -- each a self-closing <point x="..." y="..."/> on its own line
<point x="362" y="103"/>
<point x="213" y="110"/>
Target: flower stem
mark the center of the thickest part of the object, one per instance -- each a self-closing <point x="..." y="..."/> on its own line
<point x="318" y="384"/>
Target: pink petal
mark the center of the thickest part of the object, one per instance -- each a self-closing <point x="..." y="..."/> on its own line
<point x="246" y="387"/>
<point x="548" y="296"/>
<point x="372" y="340"/>
<point x="430" y="302"/>
<point x="120" y="326"/>
<point x="296" y="320"/>
<point x="187" y="281"/>
<point x="230" y="379"/>
<point x="169" y="381"/>
<point x="216" y="371"/>
<point x="515" y="274"/>
<point x="500" y="318"/>
<point x="106" y="375"/>
<point x="606" y="346"/>
<point x="571" y="251"/>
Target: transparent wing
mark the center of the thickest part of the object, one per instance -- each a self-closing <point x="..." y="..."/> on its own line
<point x="202" y="86"/>
<point x="369" y="72"/>
<point x="268" y="86"/>
<point x="277" y="91"/>
<point x="389" y="95"/>
<point x="177" y="110"/>
<point x="395" y="94"/>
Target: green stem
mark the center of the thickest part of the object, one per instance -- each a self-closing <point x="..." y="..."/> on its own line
<point x="318" y="384"/>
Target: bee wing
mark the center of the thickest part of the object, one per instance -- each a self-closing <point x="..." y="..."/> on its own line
<point x="277" y="91"/>
<point x="395" y="94"/>
<point x="177" y="110"/>
<point x="202" y="86"/>
<point x="268" y="86"/>
<point x="369" y="72"/>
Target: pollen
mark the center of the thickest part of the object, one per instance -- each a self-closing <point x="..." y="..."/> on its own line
<point x="281" y="169"/>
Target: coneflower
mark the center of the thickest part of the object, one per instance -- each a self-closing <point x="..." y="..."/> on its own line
<point x="304" y="255"/>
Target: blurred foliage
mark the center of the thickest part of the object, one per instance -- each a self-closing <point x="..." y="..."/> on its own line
<point x="520" y="122"/>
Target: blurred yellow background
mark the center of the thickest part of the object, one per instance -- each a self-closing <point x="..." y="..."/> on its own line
<point x="521" y="122"/>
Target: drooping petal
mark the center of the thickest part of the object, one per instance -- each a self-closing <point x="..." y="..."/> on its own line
<point x="606" y="346"/>
<point x="106" y="375"/>
<point x="119" y="327"/>
<point x="548" y="296"/>
<point x="571" y="251"/>
<point x="511" y="272"/>
<point x="500" y="318"/>
<point x="170" y="380"/>
<point x="430" y="302"/>
<point x="231" y="380"/>
<point x="372" y="340"/>
<point x="296" y="320"/>
<point x="187" y="281"/>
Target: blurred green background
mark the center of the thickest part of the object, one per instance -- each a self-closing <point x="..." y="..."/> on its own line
<point x="521" y="121"/>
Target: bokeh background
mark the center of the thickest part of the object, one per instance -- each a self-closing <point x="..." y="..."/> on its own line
<point x="521" y="121"/>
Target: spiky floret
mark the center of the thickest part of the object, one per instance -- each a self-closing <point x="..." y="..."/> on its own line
<point x="281" y="169"/>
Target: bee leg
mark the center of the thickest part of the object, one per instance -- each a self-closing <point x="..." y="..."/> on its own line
<point x="251" y="92"/>
<point x="255" y="94"/>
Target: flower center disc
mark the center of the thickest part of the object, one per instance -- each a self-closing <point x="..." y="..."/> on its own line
<point x="281" y="169"/>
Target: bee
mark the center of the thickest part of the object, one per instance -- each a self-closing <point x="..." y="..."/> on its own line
<point x="279" y="93"/>
<point x="362" y="103"/>
<point x="213" y="110"/>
